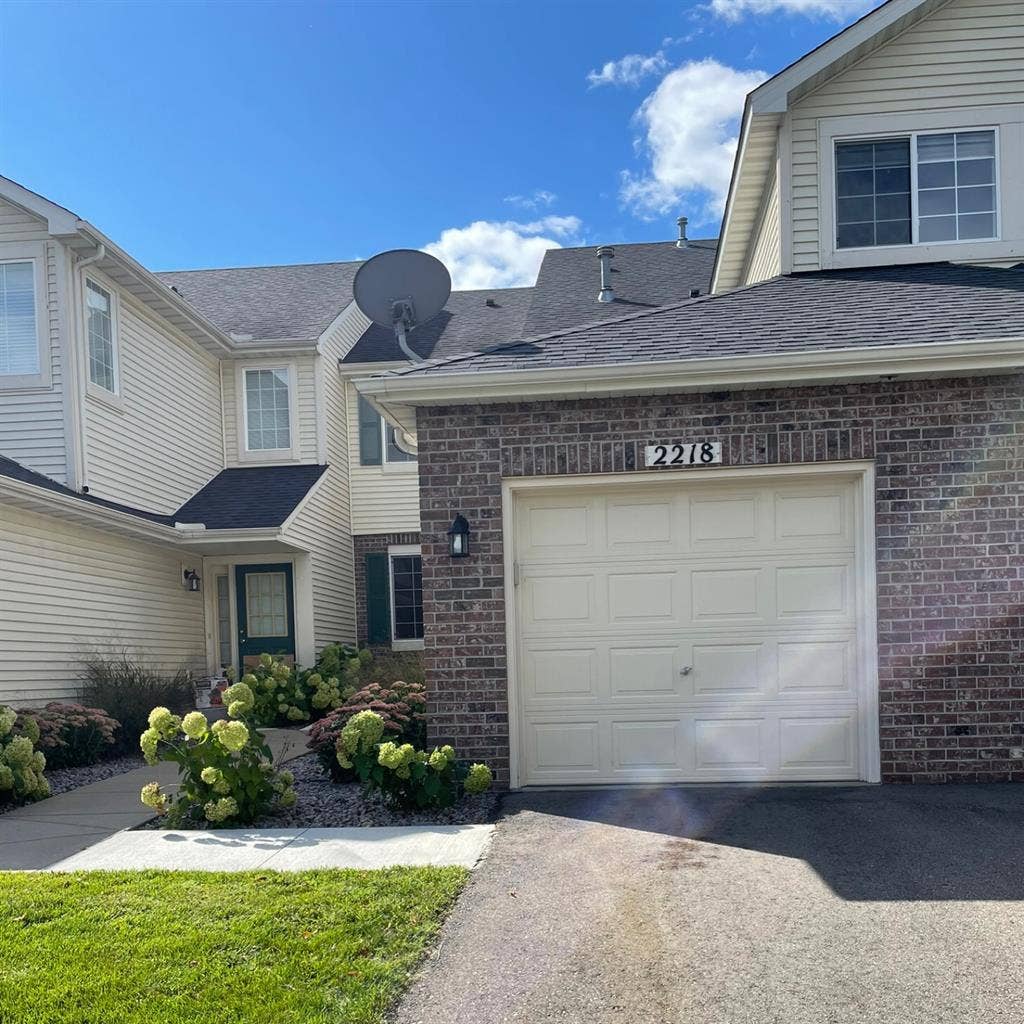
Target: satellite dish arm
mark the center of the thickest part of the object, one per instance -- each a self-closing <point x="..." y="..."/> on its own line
<point x="404" y="319"/>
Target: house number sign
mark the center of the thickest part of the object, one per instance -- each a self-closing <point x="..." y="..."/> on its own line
<point x="699" y="453"/>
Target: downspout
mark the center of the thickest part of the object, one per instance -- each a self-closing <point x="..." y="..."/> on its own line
<point x="77" y="318"/>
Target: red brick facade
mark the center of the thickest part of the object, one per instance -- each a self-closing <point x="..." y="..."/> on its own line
<point x="949" y="457"/>
<point x="376" y="542"/>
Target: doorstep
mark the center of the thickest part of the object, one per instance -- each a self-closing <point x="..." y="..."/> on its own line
<point x="298" y="849"/>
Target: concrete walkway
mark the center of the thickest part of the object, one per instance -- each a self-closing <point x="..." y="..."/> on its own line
<point x="297" y="849"/>
<point x="39" y="835"/>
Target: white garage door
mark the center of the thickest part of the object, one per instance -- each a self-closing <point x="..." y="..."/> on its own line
<point x="701" y="631"/>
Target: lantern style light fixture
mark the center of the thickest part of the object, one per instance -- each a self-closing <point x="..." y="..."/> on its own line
<point x="458" y="537"/>
<point x="191" y="579"/>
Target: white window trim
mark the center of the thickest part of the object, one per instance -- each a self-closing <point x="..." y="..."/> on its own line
<point x="34" y="253"/>
<point x="247" y="454"/>
<point x="398" y="550"/>
<point x="1008" y="124"/>
<point x="97" y="391"/>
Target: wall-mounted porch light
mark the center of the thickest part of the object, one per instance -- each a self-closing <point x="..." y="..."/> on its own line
<point x="191" y="579"/>
<point x="458" y="537"/>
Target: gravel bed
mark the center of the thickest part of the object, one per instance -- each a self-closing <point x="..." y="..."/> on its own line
<point x="63" y="780"/>
<point x="324" y="804"/>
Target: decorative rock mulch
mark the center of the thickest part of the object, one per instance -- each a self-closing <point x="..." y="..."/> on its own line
<point x="63" y="780"/>
<point x="325" y="804"/>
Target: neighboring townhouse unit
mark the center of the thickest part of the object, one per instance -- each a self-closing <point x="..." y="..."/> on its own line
<point x="774" y="533"/>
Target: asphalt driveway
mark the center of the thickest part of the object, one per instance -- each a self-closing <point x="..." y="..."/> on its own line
<point x="823" y="905"/>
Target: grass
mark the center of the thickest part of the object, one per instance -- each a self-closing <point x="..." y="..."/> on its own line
<point x="176" y="947"/>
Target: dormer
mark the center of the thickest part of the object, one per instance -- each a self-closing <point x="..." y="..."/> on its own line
<point x="898" y="141"/>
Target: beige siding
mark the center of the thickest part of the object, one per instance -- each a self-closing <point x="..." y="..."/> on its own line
<point x="70" y="591"/>
<point x="385" y="499"/>
<point x="32" y="420"/>
<point x="162" y="441"/>
<point x="765" y="255"/>
<point x="323" y="527"/>
<point x="969" y="53"/>
<point x="305" y="375"/>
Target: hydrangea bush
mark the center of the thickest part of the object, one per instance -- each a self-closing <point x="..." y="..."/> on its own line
<point x="402" y="706"/>
<point x="21" y="765"/>
<point x="225" y="769"/>
<point x="408" y="778"/>
<point x="72" y="735"/>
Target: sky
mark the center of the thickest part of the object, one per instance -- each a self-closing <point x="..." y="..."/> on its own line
<point x="244" y="134"/>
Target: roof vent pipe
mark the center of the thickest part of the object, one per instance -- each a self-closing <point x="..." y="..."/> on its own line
<point x="682" y="241"/>
<point x="605" y="255"/>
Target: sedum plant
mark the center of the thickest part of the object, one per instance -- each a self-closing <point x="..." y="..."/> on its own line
<point x="225" y="769"/>
<point x="71" y="735"/>
<point x="21" y="765"/>
<point x="408" y="778"/>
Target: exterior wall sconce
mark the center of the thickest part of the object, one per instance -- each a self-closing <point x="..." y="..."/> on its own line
<point x="458" y="537"/>
<point x="191" y="579"/>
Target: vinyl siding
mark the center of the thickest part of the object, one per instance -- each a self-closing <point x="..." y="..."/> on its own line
<point x="765" y="256"/>
<point x="305" y="375"/>
<point x="32" y="420"/>
<point x="385" y="499"/>
<point x="163" y="441"/>
<point x="69" y="591"/>
<point x="323" y="526"/>
<point x="969" y="53"/>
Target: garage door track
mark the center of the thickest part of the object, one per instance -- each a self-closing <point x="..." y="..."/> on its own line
<point x="817" y="905"/>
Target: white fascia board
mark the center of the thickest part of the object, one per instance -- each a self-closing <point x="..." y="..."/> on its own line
<point x="199" y="538"/>
<point x="59" y="221"/>
<point x="398" y="392"/>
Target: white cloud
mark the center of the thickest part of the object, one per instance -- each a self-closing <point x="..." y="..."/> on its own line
<point x="539" y="198"/>
<point x="837" y="10"/>
<point x="629" y="70"/>
<point x="689" y="125"/>
<point x="501" y="254"/>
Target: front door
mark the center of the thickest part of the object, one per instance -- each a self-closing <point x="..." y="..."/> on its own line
<point x="266" y="612"/>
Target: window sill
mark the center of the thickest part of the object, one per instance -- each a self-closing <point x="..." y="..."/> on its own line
<point x="277" y="456"/>
<point x="407" y="645"/>
<point x="895" y="255"/>
<point x="104" y="397"/>
<point x="25" y="382"/>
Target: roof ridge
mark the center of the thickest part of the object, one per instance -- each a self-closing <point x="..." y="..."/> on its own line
<point x="263" y="266"/>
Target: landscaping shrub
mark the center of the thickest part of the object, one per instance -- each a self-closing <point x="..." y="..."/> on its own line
<point x="21" y="765"/>
<point x="401" y="706"/>
<point x="127" y="690"/>
<point x="408" y="778"/>
<point x="71" y="735"/>
<point x="225" y="769"/>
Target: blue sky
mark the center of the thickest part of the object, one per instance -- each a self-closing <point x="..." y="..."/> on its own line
<point x="228" y="134"/>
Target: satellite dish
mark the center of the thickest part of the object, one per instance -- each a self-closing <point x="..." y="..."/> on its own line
<point x="401" y="289"/>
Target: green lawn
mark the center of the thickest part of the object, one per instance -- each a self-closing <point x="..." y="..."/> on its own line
<point x="170" y="947"/>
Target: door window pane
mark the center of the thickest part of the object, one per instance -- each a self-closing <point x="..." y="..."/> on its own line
<point x="224" y="645"/>
<point x="19" y="344"/>
<point x="872" y="193"/>
<point x="266" y="604"/>
<point x="407" y="596"/>
<point x="101" y="337"/>
<point x="267" y="411"/>
<point x="956" y="195"/>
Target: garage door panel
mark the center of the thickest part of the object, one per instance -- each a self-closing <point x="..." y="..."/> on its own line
<point x="568" y="673"/>
<point x="564" y="748"/>
<point x="651" y="671"/>
<point x="816" y="591"/>
<point x="727" y="594"/>
<point x="558" y="600"/>
<point x="812" y="743"/>
<point x="648" y="596"/>
<point x="728" y="670"/>
<point x="729" y="745"/>
<point x="816" y="667"/>
<point x="645" y="746"/>
<point x="819" y="517"/>
<point x="643" y="526"/>
<point x="725" y="522"/>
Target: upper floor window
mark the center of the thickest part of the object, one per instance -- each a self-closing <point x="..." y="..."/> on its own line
<point x="267" y="409"/>
<point x="19" y="337"/>
<point x="102" y="341"/>
<point x="377" y="442"/>
<point x="916" y="189"/>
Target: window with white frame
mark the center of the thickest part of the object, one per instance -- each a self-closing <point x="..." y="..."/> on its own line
<point x="406" y="566"/>
<point x="267" y="409"/>
<point x="919" y="188"/>
<point x="19" y="331"/>
<point x="99" y="306"/>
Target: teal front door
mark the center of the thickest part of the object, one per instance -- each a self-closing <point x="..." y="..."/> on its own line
<point x="266" y="612"/>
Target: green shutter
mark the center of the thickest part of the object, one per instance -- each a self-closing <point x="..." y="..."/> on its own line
<point x="369" y="434"/>
<point x="378" y="599"/>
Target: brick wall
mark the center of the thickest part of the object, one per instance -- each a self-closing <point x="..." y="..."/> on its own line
<point x="949" y="473"/>
<point x="376" y="542"/>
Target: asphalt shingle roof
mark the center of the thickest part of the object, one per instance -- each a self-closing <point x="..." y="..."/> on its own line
<point x="268" y="303"/>
<point x="905" y="305"/>
<point x="644" y="275"/>
<point x="250" y="497"/>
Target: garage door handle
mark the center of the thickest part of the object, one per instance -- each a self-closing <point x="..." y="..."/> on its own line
<point x="686" y="670"/>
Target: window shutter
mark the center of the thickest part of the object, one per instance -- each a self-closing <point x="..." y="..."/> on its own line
<point x="369" y="434"/>
<point x="378" y="599"/>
